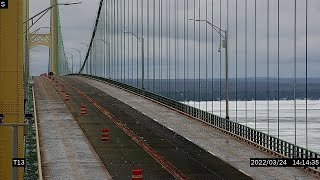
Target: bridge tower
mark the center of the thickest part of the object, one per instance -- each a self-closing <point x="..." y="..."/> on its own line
<point x="15" y="46"/>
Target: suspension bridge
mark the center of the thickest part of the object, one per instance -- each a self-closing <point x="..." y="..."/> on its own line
<point x="171" y="89"/>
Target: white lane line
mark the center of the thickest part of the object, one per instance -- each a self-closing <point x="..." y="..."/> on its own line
<point x="212" y="153"/>
<point x="244" y="172"/>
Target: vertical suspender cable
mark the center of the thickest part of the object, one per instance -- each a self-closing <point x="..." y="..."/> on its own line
<point x="153" y="45"/>
<point x="124" y="41"/>
<point x="148" y="43"/>
<point x="226" y="64"/>
<point x="306" y="74"/>
<point x="295" y="72"/>
<point x="220" y="57"/>
<point x="108" y="37"/>
<point x="199" y="24"/>
<point x="123" y="24"/>
<point x="168" y="44"/>
<point x="142" y="46"/>
<point x="255" y="64"/>
<point x="236" y="61"/>
<point x="278" y="98"/>
<point x="120" y="44"/>
<point x="184" y="51"/>
<point x="206" y="57"/>
<point x="176" y="50"/>
<point x="212" y="62"/>
<point x="169" y="38"/>
<point x="187" y="32"/>
<point x="132" y="44"/>
<point x="114" y="42"/>
<point x="194" y="53"/>
<point x="117" y="48"/>
<point x="128" y="45"/>
<point x="104" y="38"/>
<point x="268" y="66"/>
<point x="113" y="39"/>
<point x="161" y="52"/>
<point x="246" y="61"/>
<point x="137" y="17"/>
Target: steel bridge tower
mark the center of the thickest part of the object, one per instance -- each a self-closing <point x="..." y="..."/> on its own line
<point x="15" y="46"/>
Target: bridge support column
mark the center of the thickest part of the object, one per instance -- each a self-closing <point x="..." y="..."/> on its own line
<point x="11" y="82"/>
<point x="54" y="38"/>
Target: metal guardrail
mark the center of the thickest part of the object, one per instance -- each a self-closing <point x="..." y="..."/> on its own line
<point x="37" y="137"/>
<point x="262" y="140"/>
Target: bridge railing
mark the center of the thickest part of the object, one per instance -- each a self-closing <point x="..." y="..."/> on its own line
<point x="269" y="143"/>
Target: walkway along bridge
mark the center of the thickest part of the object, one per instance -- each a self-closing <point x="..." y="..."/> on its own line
<point x="192" y="86"/>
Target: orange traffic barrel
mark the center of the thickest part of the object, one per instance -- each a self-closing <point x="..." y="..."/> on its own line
<point x="83" y="110"/>
<point x="66" y="97"/>
<point x="136" y="174"/>
<point x="105" y="135"/>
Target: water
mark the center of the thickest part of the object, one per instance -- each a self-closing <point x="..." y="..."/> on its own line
<point x="265" y="116"/>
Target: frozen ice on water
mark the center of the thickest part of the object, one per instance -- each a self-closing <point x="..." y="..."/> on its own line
<point x="264" y="114"/>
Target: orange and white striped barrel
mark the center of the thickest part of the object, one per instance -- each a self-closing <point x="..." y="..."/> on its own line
<point x="66" y="97"/>
<point x="136" y="174"/>
<point x="105" y="135"/>
<point x="83" y="110"/>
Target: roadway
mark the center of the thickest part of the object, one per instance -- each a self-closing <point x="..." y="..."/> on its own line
<point x="65" y="150"/>
<point x="164" y="143"/>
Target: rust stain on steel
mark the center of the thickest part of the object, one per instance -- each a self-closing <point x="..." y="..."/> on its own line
<point x="157" y="156"/>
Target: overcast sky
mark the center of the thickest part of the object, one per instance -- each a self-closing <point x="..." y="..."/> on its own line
<point x="78" y="20"/>
<point x="77" y="25"/>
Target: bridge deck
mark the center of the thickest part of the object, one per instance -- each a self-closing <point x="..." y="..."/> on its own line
<point x="228" y="149"/>
<point x="66" y="152"/>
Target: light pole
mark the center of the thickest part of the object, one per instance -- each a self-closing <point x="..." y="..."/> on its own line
<point x="141" y="39"/>
<point x="71" y="61"/>
<point x="225" y="46"/>
<point x="79" y="55"/>
<point x="108" y="44"/>
<point x="87" y="51"/>
<point x="14" y="135"/>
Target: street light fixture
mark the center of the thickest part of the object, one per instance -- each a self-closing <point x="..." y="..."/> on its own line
<point x="225" y="46"/>
<point x="71" y="61"/>
<point x="141" y="39"/>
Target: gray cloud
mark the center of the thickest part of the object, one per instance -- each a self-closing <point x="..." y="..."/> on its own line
<point x="77" y="25"/>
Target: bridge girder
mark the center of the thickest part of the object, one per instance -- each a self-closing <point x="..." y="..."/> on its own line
<point x="39" y="40"/>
